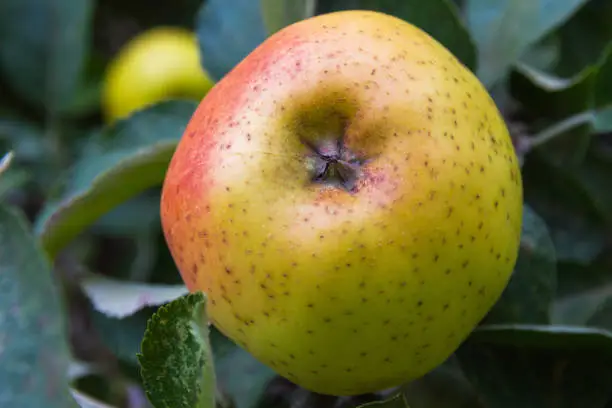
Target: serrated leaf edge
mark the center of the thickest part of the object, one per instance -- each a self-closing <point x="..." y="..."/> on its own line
<point x="195" y="300"/>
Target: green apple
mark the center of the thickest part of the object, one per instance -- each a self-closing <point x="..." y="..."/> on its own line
<point x="160" y="63"/>
<point x="349" y="199"/>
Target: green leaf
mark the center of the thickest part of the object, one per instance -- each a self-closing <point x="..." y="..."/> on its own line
<point x="137" y="223"/>
<point x="544" y="336"/>
<point x="574" y="278"/>
<point x="137" y="216"/>
<point x="176" y="360"/>
<point x="278" y="14"/>
<point x="603" y="120"/>
<point x="602" y="316"/>
<point x="397" y="401"/>
<point x="531" y="290"/>
<point x="584" y="37"/>
<point x="23" y="137"/>
<point x="539" y="366"/>
<point x="585" y="294"/>
<point x="444" y="387"/>
<point x="603" y="83"/>
<point x="119" y="299"/>
<point x="32" y="148"/>
<point x="503" y="30"/>
<point x="562" y="97"/>
<point x="228" y="34"/>
<point x="593" y="177"/>
<point x="572" y="218"/>
<point x="578" y="308"/>
<point x="564" y="100"/>
<point x="548" y="94"/>
<point x="34" y="353"/>
<point x="44" y="43"/>
<point x="439" y="18"/>
<point x="585" y="182"/>
<point x="161" y="122"/>
<point x="86" y="100"/>
<point x="238" y="373"/>
<point x="12" y="179"/>
<point x="119" y="163"/>
<point x="544" y="55"/>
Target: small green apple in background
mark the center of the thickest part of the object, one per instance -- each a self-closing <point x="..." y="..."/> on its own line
<point x="157" y="64"/>
<point x="349" y="199"/>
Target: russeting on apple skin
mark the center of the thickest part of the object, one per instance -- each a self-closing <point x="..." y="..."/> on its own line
<point x="349" y="199"/>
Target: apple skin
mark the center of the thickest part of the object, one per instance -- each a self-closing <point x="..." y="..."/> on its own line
<point x="157" y="64"/>
<point x="346" y="292"/>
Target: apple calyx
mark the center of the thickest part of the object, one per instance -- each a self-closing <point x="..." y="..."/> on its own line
<point x="333" y="164"/>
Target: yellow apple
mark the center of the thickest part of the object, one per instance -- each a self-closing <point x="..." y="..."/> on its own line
<point x="349" y="199"/>
<point x="161" y="63"/>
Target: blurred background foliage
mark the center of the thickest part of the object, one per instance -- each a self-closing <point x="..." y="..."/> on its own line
<point x="84" y="264"/>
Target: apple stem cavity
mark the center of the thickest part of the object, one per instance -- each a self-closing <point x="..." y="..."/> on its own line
<point x="334" y="165"/>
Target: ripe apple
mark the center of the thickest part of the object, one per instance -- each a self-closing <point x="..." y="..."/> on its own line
<point x="349" y="199"/>
<point x="157" y="64"/>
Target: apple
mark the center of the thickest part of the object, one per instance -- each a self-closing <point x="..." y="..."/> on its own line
<point x="158" y="64"/>
<point x="349" y="199"/>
